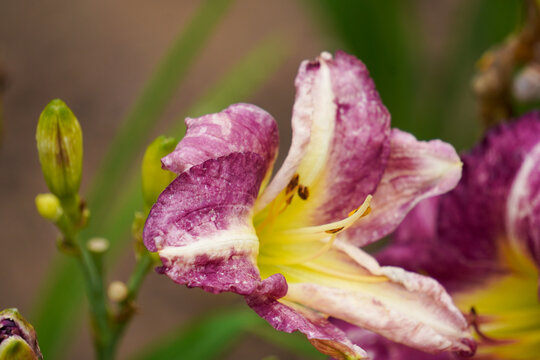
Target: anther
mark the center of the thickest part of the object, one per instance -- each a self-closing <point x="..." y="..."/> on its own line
<point x="293" y="183"/>
<point x="333" y="231"/>
<point x="303" y="192"/>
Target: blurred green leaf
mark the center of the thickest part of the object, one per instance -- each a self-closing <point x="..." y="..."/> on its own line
<point x="155" y="96"/>
<point x="60" y="309"/>
<point x="296" y="343"/>
<point x="208" y="338"/>
<point x="427" y="99"/>
<point x="449" y="100"/>
<point x="124" y="149"/>
<point x="379" y="33"/>
<point x="242" y="80"/>
<point x="212" y="336"/>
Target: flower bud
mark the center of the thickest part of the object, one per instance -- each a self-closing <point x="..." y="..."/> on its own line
<point x="154" y="178"/>
<point x="60" y="148"/>
<point x="117" y="291"/>
<point x="17" y="337"/>
<point x="48" y="207"/>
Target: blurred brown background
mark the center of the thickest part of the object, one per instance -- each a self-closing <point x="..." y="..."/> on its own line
<point x="96" y="56"/>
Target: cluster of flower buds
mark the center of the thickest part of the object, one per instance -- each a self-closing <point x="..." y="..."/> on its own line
<point x="60" y="149"/>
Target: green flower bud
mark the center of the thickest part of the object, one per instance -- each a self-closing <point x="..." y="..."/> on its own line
<point x="60" y="148"/>
<point x="48" y="207"/>
<point x="154" y="178"/>
<point x="17" y="337"/>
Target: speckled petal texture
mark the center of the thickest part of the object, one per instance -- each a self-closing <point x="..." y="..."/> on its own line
<point x="379" y="348"/>
<point x="416" y="170"/>
<point x="289" y="317"/>
<point x="239" y="128"/>
<point x="523" y="206"/>
<point x="201" y="225"/>
<point x="345" y="149"/>
<point x="462" y="248"/>
<point x="408" y="308"/>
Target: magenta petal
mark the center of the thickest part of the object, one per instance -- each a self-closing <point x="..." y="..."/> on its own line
<point x="202" y="228"/>
<point x="471" y="218"/>
<point x="326" y="337"/>
<point x="523" y="205"/>
<point x="416" y="170"/>
<point x="341" y="128"/>
<point x="361" y="143"/>
<point x="380" y="348"/>
<point x="239" y="128"/>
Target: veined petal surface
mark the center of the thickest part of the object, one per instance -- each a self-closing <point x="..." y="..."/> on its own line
<point x="239" y="128"/>
<point x="470" y="220"/>
<point x="523" y="206"/>
<point x="416" y="170"/>
<point x="289" y="317"/>
<point x="340" y="144"/>
<point x="380" y="348"/>
<point x="201" y="225"/>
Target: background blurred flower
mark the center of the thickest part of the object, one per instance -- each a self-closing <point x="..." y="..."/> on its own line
<point x="482" y="240"/>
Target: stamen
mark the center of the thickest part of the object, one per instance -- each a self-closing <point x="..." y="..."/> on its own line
<point x="346" y="276"/>
<point x="303" y="192"/>
<point x="337" y="226"/>
<point x="292" y="184"/>
<point x="473" y="320"/>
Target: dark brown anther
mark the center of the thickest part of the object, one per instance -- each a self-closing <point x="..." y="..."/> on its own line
<point x="303" y="192"/>
<point x="293" y="183"/>
<point x="333" y="231"/>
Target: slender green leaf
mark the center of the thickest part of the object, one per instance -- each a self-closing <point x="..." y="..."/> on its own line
<point x="151" y="103"/>
<point x="60" y="309"/>
<point x="379" y="33"/>
<point x="242" y="80"/>
<point x="428" y="99"/>
<point x="485" y="23"/>
<point x="212" y="336"/>
<point x="207" y="338"/>
<point x="124" y="149"/>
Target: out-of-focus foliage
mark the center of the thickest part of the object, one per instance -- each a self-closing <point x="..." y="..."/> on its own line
<point x="426" y="98"/>
<point x="215" y="335"/>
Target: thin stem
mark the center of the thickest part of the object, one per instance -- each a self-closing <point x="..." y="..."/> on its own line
<point x="98" y="303"/>
<point x="127" y="308"/>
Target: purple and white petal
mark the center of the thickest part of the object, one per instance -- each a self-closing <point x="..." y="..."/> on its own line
<point x="523" y="206"/>
<point x="463" y="250"/>
<point x="239" y="128"/>
<point x="201" y="225"/>
<point x="404" y="307"/>
<point x="416" y="170"/>
<point x="289" y="317"/>
<point x="340" y="145"/>
<point x="380" y="348"/>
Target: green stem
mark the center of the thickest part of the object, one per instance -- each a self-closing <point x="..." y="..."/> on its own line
<point x="97" y="300"/>
<point x="127" y="309"/>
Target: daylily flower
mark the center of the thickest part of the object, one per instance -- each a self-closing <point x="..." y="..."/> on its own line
<point x="482" y="241"/>
<point x="289" y="244"/>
